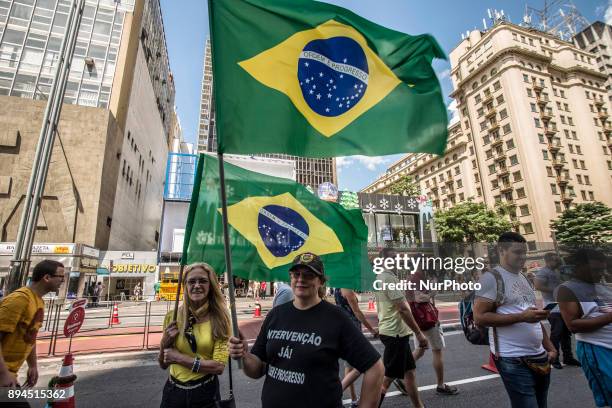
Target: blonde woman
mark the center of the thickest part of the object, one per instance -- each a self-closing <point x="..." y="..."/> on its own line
<point x="195" y="346"/>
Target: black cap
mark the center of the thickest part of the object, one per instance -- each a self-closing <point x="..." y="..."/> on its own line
<point x="309" y="260"/>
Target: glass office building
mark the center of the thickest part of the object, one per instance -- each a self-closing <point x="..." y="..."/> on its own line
<point x="31" y="33"/>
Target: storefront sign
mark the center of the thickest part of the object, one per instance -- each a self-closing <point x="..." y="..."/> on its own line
<point x="58" y="249"/>
<point x="89" y="251"/>
<point x="102" y="271"/>
<point x="134" y="268"/>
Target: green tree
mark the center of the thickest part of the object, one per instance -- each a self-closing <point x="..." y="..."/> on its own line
<point x="585" y="223"/>
<point x="405" y="186"/>
<point x="471" y="222"/>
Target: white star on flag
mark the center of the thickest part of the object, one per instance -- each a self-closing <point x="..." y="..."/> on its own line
<point x="320" y="74"/>
<point x="318" y="96"/>
<point x="201" y="238"/>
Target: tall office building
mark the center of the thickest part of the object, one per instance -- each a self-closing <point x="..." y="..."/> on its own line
<point x="533" y="129"/>
<point x="206" y="130"/>
<point x="105" y="183"/>
<point x="309" y="171"/>
<point x="597" y="39"/>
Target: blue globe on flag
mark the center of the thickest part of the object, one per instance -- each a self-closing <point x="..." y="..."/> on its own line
<point x="333" y="75"/>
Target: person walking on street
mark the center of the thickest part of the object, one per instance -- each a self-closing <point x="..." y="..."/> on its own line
<point x="396" y="324"/>
<point x="137" y="292"/>
<point x="347" y="300"/>
<point x="427" y="319"/>
<point x="547" y="279"/>
<point x="262" y="290"/>
<point x="586" y="306"/>
<point x="299" y="345"/>
<point x="97" y="294"/>
<point x="195" y="345"/>
<point x="506" y="302"/>
<point x="21" y="316"/>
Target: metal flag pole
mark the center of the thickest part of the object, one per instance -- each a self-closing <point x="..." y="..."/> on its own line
<point x="228" y="253"/>
<point x="23" y="243"/>
<point x="51" y="133"/>
<point x="178" y="291"/>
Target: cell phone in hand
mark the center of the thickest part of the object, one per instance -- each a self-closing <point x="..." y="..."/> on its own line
<point x="551" y="306"/>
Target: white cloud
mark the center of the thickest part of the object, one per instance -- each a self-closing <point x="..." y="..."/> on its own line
<point x="452" y="108"/>
<point x="444" y="74"/>
<point x="343" y="161"/>
<point x="371" y="162"/>
<point x="608" y="13"/>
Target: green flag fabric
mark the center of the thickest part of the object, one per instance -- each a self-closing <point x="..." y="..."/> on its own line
<point x="308" y="78"/>
<point x="271" y="221"/>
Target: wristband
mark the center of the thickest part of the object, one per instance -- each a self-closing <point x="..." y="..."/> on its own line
<point x="196" y="365"/>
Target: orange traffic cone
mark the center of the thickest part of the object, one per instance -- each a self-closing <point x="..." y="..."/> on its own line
<point x="64" y="383"/>
<point x="115" y="318"/>
<point x="257" y="312"/>
<point x="490" y="366"/>
<point x="371" y="304"/>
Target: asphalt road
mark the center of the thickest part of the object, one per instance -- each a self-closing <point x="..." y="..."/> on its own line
<point x="114" y="381"/>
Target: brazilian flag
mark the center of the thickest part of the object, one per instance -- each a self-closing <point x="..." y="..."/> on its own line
<point x="307" y="78"/>
<point x="271" y="221"/>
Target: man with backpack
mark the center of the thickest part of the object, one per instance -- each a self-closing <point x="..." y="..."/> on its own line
<point x="506" y="302"/>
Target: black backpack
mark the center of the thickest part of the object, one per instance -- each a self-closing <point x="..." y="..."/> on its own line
<point x="474" y="333"/>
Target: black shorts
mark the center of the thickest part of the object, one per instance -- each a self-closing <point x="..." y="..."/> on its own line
<point x="397" y="357"/>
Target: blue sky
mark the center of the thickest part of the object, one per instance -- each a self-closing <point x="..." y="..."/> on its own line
<point x="186" y="26"/>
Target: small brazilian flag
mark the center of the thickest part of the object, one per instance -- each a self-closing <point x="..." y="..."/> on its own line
<point x="307" y="78"/>
<point x="271" y="221"/>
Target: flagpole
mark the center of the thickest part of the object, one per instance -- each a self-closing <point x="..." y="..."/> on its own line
<point x="178" y="291"/>
<point x="228" y="254"/>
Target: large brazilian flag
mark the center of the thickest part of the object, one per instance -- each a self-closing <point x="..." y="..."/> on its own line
<point x="311" y="79"/>
<point x="271" y="221"/>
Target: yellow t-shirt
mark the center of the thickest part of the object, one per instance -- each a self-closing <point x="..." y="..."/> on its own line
<point x="208" y="349"/>
<point x="21" y="315"/>
<point x="390" y="322"/>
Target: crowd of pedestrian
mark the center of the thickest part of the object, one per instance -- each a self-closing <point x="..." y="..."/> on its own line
<point x="306" y="334"/>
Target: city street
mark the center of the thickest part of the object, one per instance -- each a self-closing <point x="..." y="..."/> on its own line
<point x="134" y="380"/>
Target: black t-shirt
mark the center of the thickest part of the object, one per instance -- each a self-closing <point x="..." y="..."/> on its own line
<point x="302" y="348"/>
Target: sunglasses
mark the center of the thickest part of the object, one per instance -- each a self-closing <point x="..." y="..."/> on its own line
<point x="307" y="275"/>
<point x="193" y="282"/>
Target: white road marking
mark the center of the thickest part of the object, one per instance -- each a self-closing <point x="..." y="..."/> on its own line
<point x="433" y="386"/>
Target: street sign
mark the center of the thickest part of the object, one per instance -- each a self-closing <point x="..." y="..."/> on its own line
<point x="74" y="321"/>
<point x="78" y="303"/>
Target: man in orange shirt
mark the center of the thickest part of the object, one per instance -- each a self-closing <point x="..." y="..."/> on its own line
<point x="21" y="315"/>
